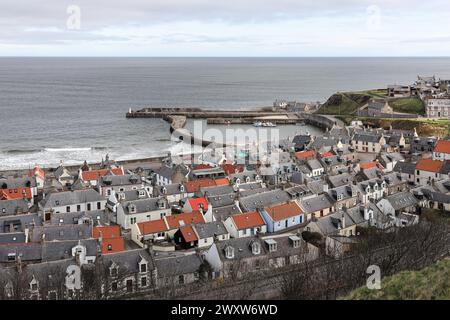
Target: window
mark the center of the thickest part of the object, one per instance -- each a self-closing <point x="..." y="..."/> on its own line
<point x="113" y="272"/>
<point x="88" y="207"/>
<point x="143" y="267"/>
<point x="181" y="279"/>
<point x="196" y="276"/>
<point x="133" y="220"/>
<point x="78" y="207"/>
<point x="108" y="192"/>
<point x="11" y="257"/>
<point x="109" y="247"/>
<point x="68" y="209"/>
<point x="114" y="286"/>
<point x="99" y="205"/>
<point x="34" y="286"/>
<point x="143" y="281"/>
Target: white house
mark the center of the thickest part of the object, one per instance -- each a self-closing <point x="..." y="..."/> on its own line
<point x="131" y="212"/>
<point x="245" y="224"/>
<point x="442" y="150"/>
<point x="72" y="201"/>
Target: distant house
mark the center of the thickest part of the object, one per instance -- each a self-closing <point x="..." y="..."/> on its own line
<point x="305" y="155"/>
<point x="110" y="238"/>
<point x="132" y="212"/>
<point x="368" y="142"/>
<point x="318" y="206"/>
<point x="438" y="107"/>
<point x="399" y="91"/>
<point x="442" y="150"/>
<point x="169" y="173"/>
<point x="72" y="201"/>
<point x="282" y="216"/>
<point x="377" y="108"/>
<point x="398" y="203"/>
<point x="371" y="189"/>
<point x="428" y="170"/>
<point x="111" y="184"/>
<point x="245" y="224"/>
<point x="93" y="176"/>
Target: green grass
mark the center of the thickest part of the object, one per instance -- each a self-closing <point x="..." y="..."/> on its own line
<point x="344" y="103"/>
<point x="408" y="105"/>
<point x="431" y="283"/>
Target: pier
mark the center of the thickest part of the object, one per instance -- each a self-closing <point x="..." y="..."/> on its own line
<point x="177" y="118"/>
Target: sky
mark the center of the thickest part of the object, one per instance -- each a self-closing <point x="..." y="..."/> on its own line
<point x="255" y="28"/>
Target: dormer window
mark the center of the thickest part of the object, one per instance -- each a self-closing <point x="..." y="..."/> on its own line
<point x="161" y="204"/>
<point x="143" y="267"/>
<point x="181" y="188"/>
<point x="132" y="208"/>
<point x="340" y="197"/>
<point x="247" y="179"/>
<point x="256" y="248"/>
<point x="11" y="257"/>
<point x="295" y="241"/>
<point x="272" y="245"/>
<point x="229" y="252"/>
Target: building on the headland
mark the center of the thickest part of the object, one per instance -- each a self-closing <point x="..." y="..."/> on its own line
<point x="438" y="107"/>
<point x="399" y="91"/>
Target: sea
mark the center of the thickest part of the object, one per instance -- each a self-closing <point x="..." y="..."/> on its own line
<point x="69" y="110"/>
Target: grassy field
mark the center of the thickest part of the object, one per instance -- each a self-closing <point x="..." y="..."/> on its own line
<point x="408" y="105"/>
<point x="431" y="283"/>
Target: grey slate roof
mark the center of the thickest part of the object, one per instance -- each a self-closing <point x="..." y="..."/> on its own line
<point x="12" y="238"/>
<point x="242" y="248"/>
<point x="22" y="220"/>
<point x="216" y="190"/>
<point x="405" y="167"/>
<point x="174" y="266"/>
<point x="63" y="232"/>
<point x="211" y="229"/>
<point x="74" y="217"/>
<point x="402" y="200"/>
<point x="340" y="179"/>
<point x="332" y="223"/>
<point x="367" y="137"/>
<point x="265" y="199"/>
<point x="14" y="183"/>
<point x="222" y="200"/>
<point x="27" y="252"/>
<point x="320" y="202"/>
<point x="56" y="250"/>
<point x="221" y="214"/>
<point x="126" y="179"/>
<point x="67" y="198"/>
<point x="145" y="205"/>
<point x="11" y="207"/>
<point x="128" y="261"/>
<point x="314" y="164"/>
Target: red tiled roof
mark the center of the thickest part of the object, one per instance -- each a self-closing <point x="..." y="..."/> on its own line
<point x="301" y="155"/>
<point x="112" y="245"/>
<point x="442" y="146"/>
<point x="283" y="211"/>
<point x="429" y="165"/>
<point x="327" y="154"/>
<point x="222" y="182"/>
<point x="195" y="185"/>
<point x="188" y="234"/>
<point x="106" y="232"/>
<point x="367" y="165"/>
<point x="155" y="226"/>
<point x="14" y="194"/>
<point x="232" y="168"/>
<point x="36" y="171"/>
<point x="95" y="174"/>
<point x="202" y="166"/>
<point x="248" y="220"/>
<point x="192" y="217"/>
<point x="196" y="202"/>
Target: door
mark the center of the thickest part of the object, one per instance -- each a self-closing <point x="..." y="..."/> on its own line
<point x="129" y="285"/>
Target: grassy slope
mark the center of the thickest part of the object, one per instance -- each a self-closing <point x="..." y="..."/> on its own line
<point x="347" y="103"/>
<point x="430" y="283"/>
<point x="408" y="105"/>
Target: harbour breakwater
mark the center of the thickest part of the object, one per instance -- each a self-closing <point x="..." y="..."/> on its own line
<point x="177" y="118"/>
